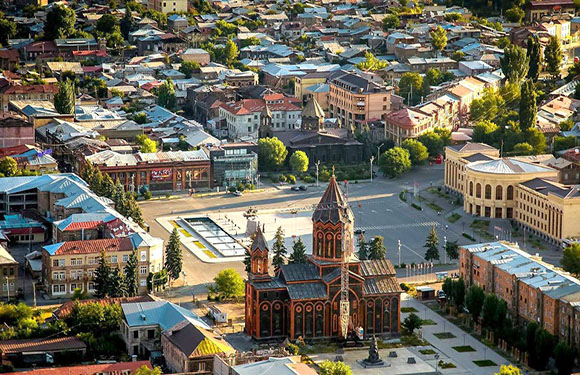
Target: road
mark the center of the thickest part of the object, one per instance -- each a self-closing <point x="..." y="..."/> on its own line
<point x="377" y="208"/>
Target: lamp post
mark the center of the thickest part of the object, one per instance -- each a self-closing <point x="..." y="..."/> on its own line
<point x="7" y="288"/>
<point x="317" y="165"/>
<point x="445" y="247"/>
<point x="399" y="245"/>
<point x="379" y="150"/>
<point x="372" y="159"/>
<point x="436" y="363"/>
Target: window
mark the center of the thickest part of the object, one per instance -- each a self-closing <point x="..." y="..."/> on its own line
<point x="113" y="259"/>
<point x="59" y="289"/>
<point x="143" y="270"/>
<point x="125" y="258"/>
<point x="76" y="262"/>
<point x="136" y="334"/>
<point x="143" y="283"/>
<point x="143" y="256"/>
<point x="91" y="286"/>
<point x="151" y="334"/>
<point x="73" y="286"/>
<point x="488" y="191"/>
<point x="201" y="366"/>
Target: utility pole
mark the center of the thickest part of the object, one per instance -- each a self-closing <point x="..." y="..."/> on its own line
<point x="399" y="244"/>
<point x="317" y="165"/>
<point x="372" y="159"/>
<point x="445" y="247"/>
<point x="34" y="292"/>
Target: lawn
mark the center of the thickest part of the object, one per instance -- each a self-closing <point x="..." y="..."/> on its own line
<point x="408" y="310"/>
<point x="444" y="335"/>
<point x="427" y="322"/>
<point x="434" y="206"/>
<point x="453" y="218"/>
<point x="480" y="224"/>
<point x="485" y="363"/>
<point x="427" y="351"/>
<point x="464" y="348"/>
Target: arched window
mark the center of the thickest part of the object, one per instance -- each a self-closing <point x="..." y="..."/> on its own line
<point x="478" y="190"/>
<point x="510" y="192"/>
<point x="488" y="191"/>
<point x="471" y="188"/>
<point x="498" y="193"/>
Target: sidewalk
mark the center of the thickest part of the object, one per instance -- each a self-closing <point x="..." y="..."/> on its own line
<point x="445" y="346"/>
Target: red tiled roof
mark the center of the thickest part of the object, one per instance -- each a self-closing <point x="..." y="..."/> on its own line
<point x="13" y="231"/>
<point x="83" y="225"/>
<point x="9" y="54"/>
<point x="92" y="69"/>
<point x="40" y="345"/>
<point x="65" y="309"/>
<point x="126" y="368"/>
<point x="95" y="246"/>
<point x="47" y="46"/>
<point x="95" y="52"/>
<point x="244" y="107"/>
<point x="45" y="89"/>
<point x="14" y="150"/>
<point x="407" y="118"/>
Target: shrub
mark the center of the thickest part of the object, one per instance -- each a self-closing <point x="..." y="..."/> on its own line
<point x="416" y="206"/>
<point x="404" y="286"/>
<point x="291" y="178"/>
<point x="275" y="178"/>
<point x="308" y="179"/>
<point x="231" y="189"/>
<point x="283" y="178"/>
<point x="147" y="195"/>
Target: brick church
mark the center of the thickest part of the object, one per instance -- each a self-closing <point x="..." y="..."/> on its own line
<point x="303" y="299"/>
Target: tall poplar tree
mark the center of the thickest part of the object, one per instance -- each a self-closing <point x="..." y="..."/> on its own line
<point x="131" y="277"/>
<point x="279" y="248"/>
<point x="363" y="249"/>
<point x="528" y="106"/>
<point x="553" y="57"/>
<point x="534" y="53"/>
<point x="514" y="63"/>
<point x="377" y="248"/>
<point x="64" y="99"/>
<point x="102" y="276"/>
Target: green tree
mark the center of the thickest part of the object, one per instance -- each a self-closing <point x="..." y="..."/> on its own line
<point x="7" y="30"/>
<point x="377" y="249"/>
<point x="229" y="284"/>
<point x="531" y="329"/>
<point x="452" y="250"/>
<point x="474" y="301"/>
<point x="563" y="143"/>
<point x="438" y="38"/>
<point x="410" y="87"/>
<point x="545" y="344"/>
<point x="508" y="370"/>
<point x="571" y="259"/>
<point x="391" y="21"/>
<point x="457" y="55"/>
<point x="173" y="255"/>
<point x="251" y="41"/>
<point x="564" y="356"/>
<point x="417" y="151"/>
<point x="299" y="162"/>
<point x="515" y="15"/>
<point x="141" y="118"/>
<point x="459" y="292"/>
<point x="567" y="125"/>
<point x="106" y="23"/>
<point x="334" y="368"/>
<point x="271" y="153"/>
<point x="166" y="95"/>
<point x="231" y="52"/>
<point x="486" y="107"/>
<point x="279" y="249"/>
<point x="523" y="148"/>
<point x="8" y="167"/>
<point x="412" y="322"/>
<point x="489" y="309"/>
<point x="433" y="141"/>
<point x="528" y="106"/>
<point x="514" y="63"/>
<point x="394" y="162"/>
<point x="127" y="23"/>
<point x="363" y="249"/>
<point x="60" y="22"/>
<point x="147" y="144"/>
<point x="188" y="67"/>
<point x="102" y="276"/>
<point x="117" y="284"/>
<point x="248" y="261"/>
<point x="536" y="139"/>
<point x="115" y="40"/>
<point x="298" y="252"/>
<point x="432" y="243"/>
<point x="534" y="53"/>
<point x="131" y="272"/>
<point x="371" y="63"/>
<point x="64" y="99"/>
<point x="553" y="57"/>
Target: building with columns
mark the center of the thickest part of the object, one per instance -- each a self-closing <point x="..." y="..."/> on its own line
<point x="519" y="188"/>
<point x="302" y="300"/>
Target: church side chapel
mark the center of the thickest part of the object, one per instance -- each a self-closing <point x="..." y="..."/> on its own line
<point x="303" y="300"/>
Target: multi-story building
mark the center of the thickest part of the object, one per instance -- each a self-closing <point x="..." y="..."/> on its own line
<point x="71" y="265"/>
<point x="540" y="8"/>
<point x="8" y="273"/>
<point x="168" y="6"/>
<point x="533" y="290"/>
<point x="30" y="92"/>
<point x="520" y="188"/>
<point x="234" y="163"/>
<point x="407" y="123"/>
<point x="354" y="99"/>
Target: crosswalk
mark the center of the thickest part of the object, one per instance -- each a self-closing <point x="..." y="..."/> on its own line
<point x="399" y="226"/>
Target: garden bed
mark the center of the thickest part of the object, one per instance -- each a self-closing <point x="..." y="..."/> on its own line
<point x="485" y="363"/>
<point x="453" y="218"/>
<point x="408" y="310"/>
<point x="428" y="322"/>
<point x="464" y="348"/>
<point x="435" y="206"/>
<point x="427" y="351"/>
<point x="444" y="335"/>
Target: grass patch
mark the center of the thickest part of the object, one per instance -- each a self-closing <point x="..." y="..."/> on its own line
<point x="444" y="335"/>
<point x="453" y="218"/>
<point x="427" y="351"/>
<point x="434" y="206"/>
<point x="403" y="196"/>
<point x="437" y="191"/>
<point x="485" y="363"/>
<point x="445" y="365"/>
<point x="416" y="206"/>
<point x="468" y="236"/>
<point x="427" y="322"/>
<point x="484" y="234"/>
<point x="464" y="348"/>
<point x="408" y="310"/>
<point x="412" y="340"/>
<point x="480" y="224"/>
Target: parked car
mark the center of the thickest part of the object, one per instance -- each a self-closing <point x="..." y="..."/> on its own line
<point x="237" y="193"/>
<point x="295" y="188"/>
<point x="303" y="187"/>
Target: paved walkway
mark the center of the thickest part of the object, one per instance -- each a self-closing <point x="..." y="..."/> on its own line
<point x="445" y="346"/>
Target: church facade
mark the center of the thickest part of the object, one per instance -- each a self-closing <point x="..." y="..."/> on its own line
<point x="303" y="300"/>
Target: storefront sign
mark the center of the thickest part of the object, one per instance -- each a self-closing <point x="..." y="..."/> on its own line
<point x="161" y="174"/>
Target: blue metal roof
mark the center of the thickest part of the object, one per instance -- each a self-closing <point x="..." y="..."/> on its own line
<point x="162" y="313"/>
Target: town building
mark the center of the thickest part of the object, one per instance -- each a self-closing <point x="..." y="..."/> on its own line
<point x="234" y="163"/>
<point x="163" y="6"/>
<point x="302" y="300"/>
<point x="353" y="99"/>
<point x="162" y="171"/>
<point x="30" y="93"/>
<point x="15" y="131"/>
<point x="125" y="368"/>
<point x="540" y="8"/>
<point x="8" y="273"/>
<point x="18" y="352"/>
<point x="274" y="366"/>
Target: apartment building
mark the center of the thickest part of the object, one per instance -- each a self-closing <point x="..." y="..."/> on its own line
<point x="533" y="290"/>
<point x="71" y="265"/>
<point x="168" y="6"/>
<point x="29" y="93"/>
<point x="407" y="123"/>
<point x="8" y="273"/>
<point x="353" y="99"/>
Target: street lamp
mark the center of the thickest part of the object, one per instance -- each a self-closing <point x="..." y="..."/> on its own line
<point x="445" y="248"/>
<point x="372" y="159"/>
<point x="399" y="244"/>
<point x="436" y="363"/>
<point x="317" y="165"/>
<point x="379" y="150"/>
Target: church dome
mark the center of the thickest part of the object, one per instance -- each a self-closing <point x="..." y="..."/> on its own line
<point x="333" y="206"/>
